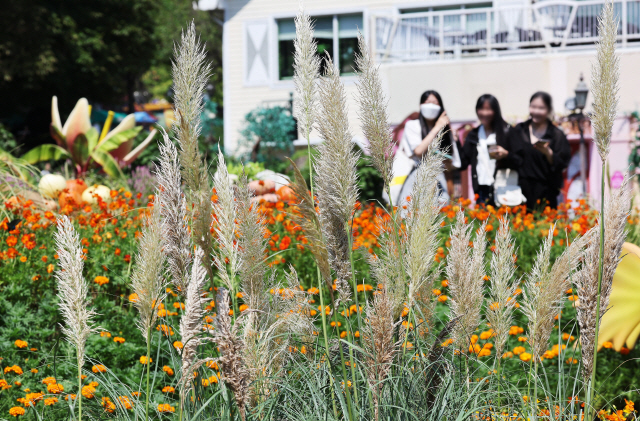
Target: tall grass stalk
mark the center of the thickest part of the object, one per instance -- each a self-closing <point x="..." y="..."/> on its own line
<point x="604" y="85"/>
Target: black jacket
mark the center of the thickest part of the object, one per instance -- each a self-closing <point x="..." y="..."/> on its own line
<point x="469" y="152"/>
<point x="535" y="166"/>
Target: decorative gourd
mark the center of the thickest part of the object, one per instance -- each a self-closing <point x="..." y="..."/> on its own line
<point x="51" y="185"/>
<point x="103" y="191"/>
<point x="261" y="187"/>
<point x="73" y="193"/>
<point x="269" y="197"/>
<point x="286" y="194"/>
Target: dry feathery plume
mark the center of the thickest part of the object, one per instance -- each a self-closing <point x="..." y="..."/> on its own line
<point x="586" y="281"/>
<point x="605" y="73"/>
<point x="148" y="280"/>
<point x="378" y="343"/>
<point x="465" y="272"/>
<point x="73" y="289"/>
<point x="191" y="74"/>
<point x="545" y="287"/>
<point x="337" y="177"/>
<point x="373" y="112"/>
<point x="176" y="238"/>
<point x="306" y="216"/>
<point x="502" y="289"/>
<point x="306" y="65"/>
<point x="231" y="348"/>
<point x="422" y="223"/>
<point x="387" y="268"/>
<point x="225" y="257"/>
<point x="191" y="322"/>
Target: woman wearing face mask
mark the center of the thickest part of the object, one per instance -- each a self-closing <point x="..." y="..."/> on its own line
<point x="489" y="147"/>
<point x="418" y="135"/>
<point x="546" y="153"/>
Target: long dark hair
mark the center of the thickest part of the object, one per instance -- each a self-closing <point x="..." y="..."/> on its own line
<point x="545" y="97"/>
<point x="498" y="124"/>
<point x="447" y="139"/>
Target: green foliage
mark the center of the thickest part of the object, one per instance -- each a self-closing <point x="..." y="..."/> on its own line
<point x="268" y="135"/>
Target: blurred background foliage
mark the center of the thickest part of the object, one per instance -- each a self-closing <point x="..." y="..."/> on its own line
<point x="109" y="51"/>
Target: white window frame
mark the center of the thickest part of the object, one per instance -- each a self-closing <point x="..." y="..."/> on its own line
<point x="276" y="83"/>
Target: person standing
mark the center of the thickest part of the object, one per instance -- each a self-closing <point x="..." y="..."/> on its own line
<point x="489" y="147"/>
<point x="420" y="133"/>
<point x="546" y="154"/>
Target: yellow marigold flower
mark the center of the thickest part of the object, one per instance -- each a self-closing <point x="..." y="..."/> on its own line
<point x="608" y="345"/>
<point x="169" y="370"/>
<point x="23" y="259"/>
<point x="484" y="352"/>
<point x="71" y="396"/>
<point x="144" y="359"/>
<point x="519" y="350"/>
<point x="99" y="368"/>
<point x="162" y="313"/>
<point x="522" y="339"/>
<point x="213" y="379"/>
<point x="50" y="268"/>
<point x="49" y="380"/>
<point x="133" y="297"/>
<point x="165" y="407"/>
<point x="525" y="356"/>
<point x="101" y="280"/>
<point x="178" y="306"/>
<point x="205" y="382"/>
<point x="16" y="411"/>
<point x="15" y="368"/>
<point x="168" y="389"/>
<point x="50" y="401"/>
<point x="88" y="392"/>
<point x="118" y="340"/>
<point x="446" y="343"/>
<point x="212" y="365"/>
<point x="105" y="334"/>
<point x="4" y="385"/>
<point x="486" y="334"/>
<point x="34" y="370"/>
<point x="20" y="344"/>
<point x="108" y="405"/>
<point x="177" y="345"/>
<point x="165" y="329"/>
<point x="55" y="388"/>
<point x="93" y="384"/>
<point x="507" y="354"/>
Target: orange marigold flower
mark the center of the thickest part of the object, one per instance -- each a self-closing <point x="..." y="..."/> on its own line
<point x="88" y="392"/>
<point x="50" y="401"/>
<point x="118" y="340"/>
<point x="50" y="268"/>
<point x="165" y="407"/>
<point x="34" y="370"/>
<point x="16" y="411"/>
<point x="99" y="368"/>
<point x="11" y="241"/>
<point x="55" y="388"/>
<point x="519" y="350"/>
<point x="20" y="344"/>
<point x="126" y="402"/>
<point x="168" y="389"/>
<point x="49" y="380"/>
<point x="608" y="344"/>
<point x="169" y="370"/>
<point x="525" y="356"/>
<point x="104" y="333"/>
<point x="443" y="298"/>
<point x="144" y="359"/>
<point x="178" y="345"/>
<point x="133" y="297"/>
<point x="101" y="280"/>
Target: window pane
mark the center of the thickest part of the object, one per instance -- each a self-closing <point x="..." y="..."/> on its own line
<point x="286" y="29"/>
<point x="348" y="48"/>
<point x="285" y="59"/>
<point x="325" y="45"/>
<point x="348" y="26"/>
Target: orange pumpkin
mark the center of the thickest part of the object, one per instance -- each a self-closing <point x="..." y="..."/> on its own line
<point x="72" y="194"/>
<point x="261" y="187"/>
<point x="286" y="194"/>
<point x="269" y="198"/>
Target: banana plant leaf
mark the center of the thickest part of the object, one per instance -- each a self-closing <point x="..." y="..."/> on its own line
<point x="118" y="139"/>
<point x="107" y="162"/>
<point x="48" y="152"/>
<point x="57" y="136"/>
<point x="80" y="151"/>
<point x="92" y="139"/>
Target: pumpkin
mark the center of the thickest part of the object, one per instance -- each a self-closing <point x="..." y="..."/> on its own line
<point x="286" y="194"/>
<point x="73" y="193"/>
<point x="269" y="197"/>
<point x="261" y="187"/>
<point x="51" y="185"/>
<point x="103" y="191"/>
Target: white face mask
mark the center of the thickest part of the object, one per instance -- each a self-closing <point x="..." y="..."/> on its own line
<point x="430" y="111"/>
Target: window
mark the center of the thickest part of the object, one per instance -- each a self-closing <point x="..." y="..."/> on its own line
<point x="336" y="35"/>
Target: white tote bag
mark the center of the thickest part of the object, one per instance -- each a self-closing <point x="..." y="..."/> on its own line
<point x="507" y="192"/>
<point x="403" y="164"/>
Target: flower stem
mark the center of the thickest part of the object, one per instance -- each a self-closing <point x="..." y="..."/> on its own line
<point x="592" y="381"/>
<point x="79" y="386"/>
<point x="146" y="410"/>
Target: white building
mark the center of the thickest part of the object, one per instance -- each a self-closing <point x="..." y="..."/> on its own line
<point x="461" y="48"/>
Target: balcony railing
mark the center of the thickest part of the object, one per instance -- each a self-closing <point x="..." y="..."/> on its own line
<point x="490" y="31"/>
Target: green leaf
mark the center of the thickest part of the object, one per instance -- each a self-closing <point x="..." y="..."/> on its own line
<point x="57" y="136"/>
<point x="118" y="139"/>
<point x="48" y="152"/>
<point x="80" y="149"/>
<point x="108" y="164"/>
<point x="92" y="138"/>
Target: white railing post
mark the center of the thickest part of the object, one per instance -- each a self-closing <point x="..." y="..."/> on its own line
<point x="373" y="40"/>
<point x="441" y="34"/>
<point x="489" y="35"/>
<point x="624" y="23"/>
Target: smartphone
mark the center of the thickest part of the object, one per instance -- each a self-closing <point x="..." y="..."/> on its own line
<point x="493" y="148"/>
<point x="543" y="141"/>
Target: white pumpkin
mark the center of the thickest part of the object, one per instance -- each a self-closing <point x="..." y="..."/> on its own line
<point x="51" y="185"/>
<point x="103" y="191"/>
